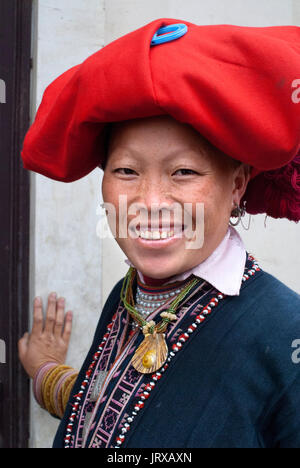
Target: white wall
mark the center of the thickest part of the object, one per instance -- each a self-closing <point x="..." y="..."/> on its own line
<point x="123" y="16"/>
<point x="65" y="251"/>
<point x="66" y="254"/>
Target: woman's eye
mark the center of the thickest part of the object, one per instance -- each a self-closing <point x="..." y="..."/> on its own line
<point x="126" y="170"/>
<point x="186" y="171"/>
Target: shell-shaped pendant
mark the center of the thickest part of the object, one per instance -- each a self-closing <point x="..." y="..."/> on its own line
<point x="151" y="354"/>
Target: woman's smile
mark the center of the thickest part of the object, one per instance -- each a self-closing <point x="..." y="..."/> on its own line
<point x="158" y="238"/>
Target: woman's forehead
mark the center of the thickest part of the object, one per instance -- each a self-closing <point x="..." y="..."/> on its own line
<point x="156" y="126"/>
<point x="161" y="134"/>
<point x="162" y="156"/>
<point x="162" y="139"/>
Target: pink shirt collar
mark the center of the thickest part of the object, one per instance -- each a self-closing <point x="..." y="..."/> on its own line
<point x="223" y="269"/>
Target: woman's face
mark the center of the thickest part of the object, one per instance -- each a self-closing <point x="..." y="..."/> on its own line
<point x="159" y="163"/>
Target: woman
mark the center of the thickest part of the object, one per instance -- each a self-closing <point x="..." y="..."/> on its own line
<point x="194" y="345"/>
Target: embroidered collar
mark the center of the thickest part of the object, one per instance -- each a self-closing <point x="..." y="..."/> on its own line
<point x="223" y="269"/>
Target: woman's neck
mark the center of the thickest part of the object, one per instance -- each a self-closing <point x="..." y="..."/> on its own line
<point x="154" y="281"/>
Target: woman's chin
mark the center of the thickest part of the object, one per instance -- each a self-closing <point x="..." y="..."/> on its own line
<point x="158" y="262"/>
<point x="156" y="268"/>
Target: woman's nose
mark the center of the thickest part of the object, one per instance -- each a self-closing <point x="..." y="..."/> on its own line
<point x="157" y="203"/>
<point x="154" y="192"/>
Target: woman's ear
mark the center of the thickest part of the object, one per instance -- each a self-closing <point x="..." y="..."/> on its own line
<point x="241" y="177"/>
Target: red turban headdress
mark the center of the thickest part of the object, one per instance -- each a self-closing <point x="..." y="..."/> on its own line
<point x="238" y="86"/>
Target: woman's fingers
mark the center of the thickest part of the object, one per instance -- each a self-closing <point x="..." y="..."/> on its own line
<point x="68" y="327"/>
<point x="38" y="319"/>
<point x="56" y="323"/>
<point x="50" y="314"/>
<point x="60" y="317"/>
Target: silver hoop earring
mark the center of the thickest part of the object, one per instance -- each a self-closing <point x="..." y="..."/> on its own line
<point x="238" y="212"/>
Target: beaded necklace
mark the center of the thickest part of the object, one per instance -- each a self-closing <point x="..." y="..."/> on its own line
<point x="152" y="352"/>
<point x="147" y="303"/>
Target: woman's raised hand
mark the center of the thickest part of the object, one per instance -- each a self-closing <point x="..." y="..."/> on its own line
<point x="49" y="338"/>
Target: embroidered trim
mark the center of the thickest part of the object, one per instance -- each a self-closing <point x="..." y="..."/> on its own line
<point x="86" y="382"/>
<point x="103" y="358"/>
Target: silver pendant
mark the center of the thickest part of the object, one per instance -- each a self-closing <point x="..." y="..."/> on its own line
<point x="99" y="381"/>
<point x="98" y="385"/>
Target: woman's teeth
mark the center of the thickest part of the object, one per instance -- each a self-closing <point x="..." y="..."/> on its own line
<point x="155" y="235"/>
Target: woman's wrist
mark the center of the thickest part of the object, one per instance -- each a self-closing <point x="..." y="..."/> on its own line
<point x="38" y="380"/>
<point x="52" y="385"/>
<point x="60" y="389"/>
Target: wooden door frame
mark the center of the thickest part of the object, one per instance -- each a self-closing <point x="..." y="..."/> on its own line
<point x="15" y="65"/>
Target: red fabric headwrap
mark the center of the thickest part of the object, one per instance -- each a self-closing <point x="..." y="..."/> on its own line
<point x="238" y="86"/>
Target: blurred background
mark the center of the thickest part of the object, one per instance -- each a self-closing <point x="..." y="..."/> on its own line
<point x="49" y="240"/>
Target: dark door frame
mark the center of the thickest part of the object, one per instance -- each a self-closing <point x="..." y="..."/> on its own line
<point x="15" y="64"/>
